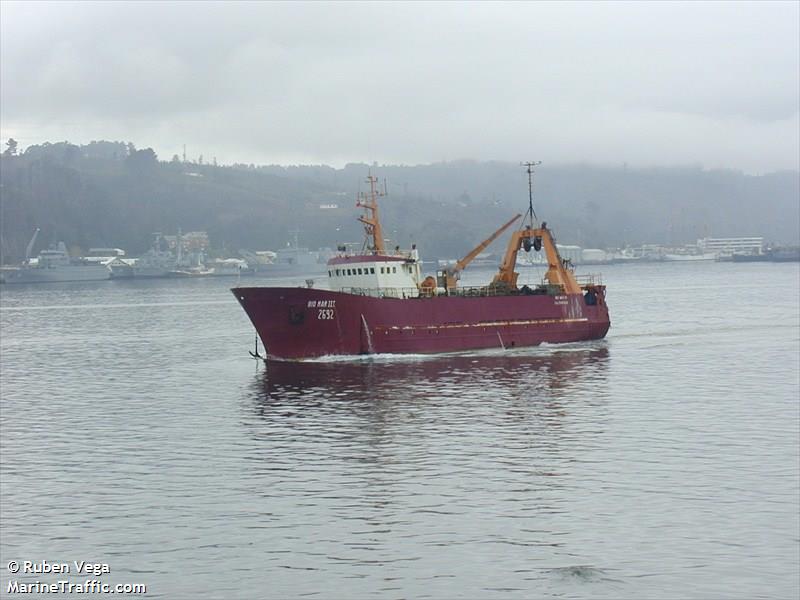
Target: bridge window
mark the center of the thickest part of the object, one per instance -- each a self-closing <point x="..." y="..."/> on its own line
<point x="348" y="272"/>
<point x="359" y="271"/>
<point x="372" y="270"/>
<point x="394" y="269"/>
<point x="381" y="270"/>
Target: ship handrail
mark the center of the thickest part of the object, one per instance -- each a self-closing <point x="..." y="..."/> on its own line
<point x="589" y="279"/>
<point x="478" y="291"/>
<point x="384" y="292"/>
<point x="403" y="293"/>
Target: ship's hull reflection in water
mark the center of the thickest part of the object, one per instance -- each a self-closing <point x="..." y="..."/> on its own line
<point x="422" y="464"/>
<point x="540" y="377"/>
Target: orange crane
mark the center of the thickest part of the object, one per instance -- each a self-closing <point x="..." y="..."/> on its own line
<point x="558" y="273"/>
<point x="451" y="275"/>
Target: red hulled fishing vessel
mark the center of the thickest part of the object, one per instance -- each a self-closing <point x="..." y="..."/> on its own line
<point x="378" y="301"/>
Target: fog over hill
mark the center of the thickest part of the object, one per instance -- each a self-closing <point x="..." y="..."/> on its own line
<point x="111" y="194"/>
<point x="647" y="83"/>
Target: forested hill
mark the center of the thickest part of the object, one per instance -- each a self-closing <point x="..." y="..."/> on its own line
<point x="111" y="194"/>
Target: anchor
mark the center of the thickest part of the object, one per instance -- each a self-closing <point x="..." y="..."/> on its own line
<point x="255" y="354"/>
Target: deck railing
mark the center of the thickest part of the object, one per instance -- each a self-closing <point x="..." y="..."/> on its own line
<point x="403" y="293"/>
<point x="589" y="279"/>
<point x="385" y="292"/>
<point x="467" y="292"/>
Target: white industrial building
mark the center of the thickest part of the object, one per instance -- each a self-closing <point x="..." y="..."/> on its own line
<point x="729" y="246"/>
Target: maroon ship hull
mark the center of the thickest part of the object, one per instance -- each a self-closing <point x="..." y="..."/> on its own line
<point x="297" y="323"/>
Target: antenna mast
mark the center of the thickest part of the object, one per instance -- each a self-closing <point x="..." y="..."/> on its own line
<point x="530" y="166"/>
<point x="371" y="221"/>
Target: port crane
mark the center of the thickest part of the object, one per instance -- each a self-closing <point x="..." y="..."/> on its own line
<point x="29" y="247"/>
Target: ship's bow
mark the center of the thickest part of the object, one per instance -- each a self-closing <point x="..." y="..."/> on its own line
<point x="295" y="323"/>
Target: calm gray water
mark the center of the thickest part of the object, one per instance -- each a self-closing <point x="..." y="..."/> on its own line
<point x="662" y="462"/>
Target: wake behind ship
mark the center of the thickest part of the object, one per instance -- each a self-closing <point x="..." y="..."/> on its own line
<point x="379" y="302"/>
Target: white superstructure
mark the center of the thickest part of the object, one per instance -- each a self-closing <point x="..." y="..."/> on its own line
<point x="376" y="274"/>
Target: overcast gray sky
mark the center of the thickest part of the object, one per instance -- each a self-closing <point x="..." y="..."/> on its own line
<point x="642" y="82"/>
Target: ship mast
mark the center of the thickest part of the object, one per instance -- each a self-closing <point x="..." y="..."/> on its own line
<point x="531" y="214"/>
<point x="372" y="224"/>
